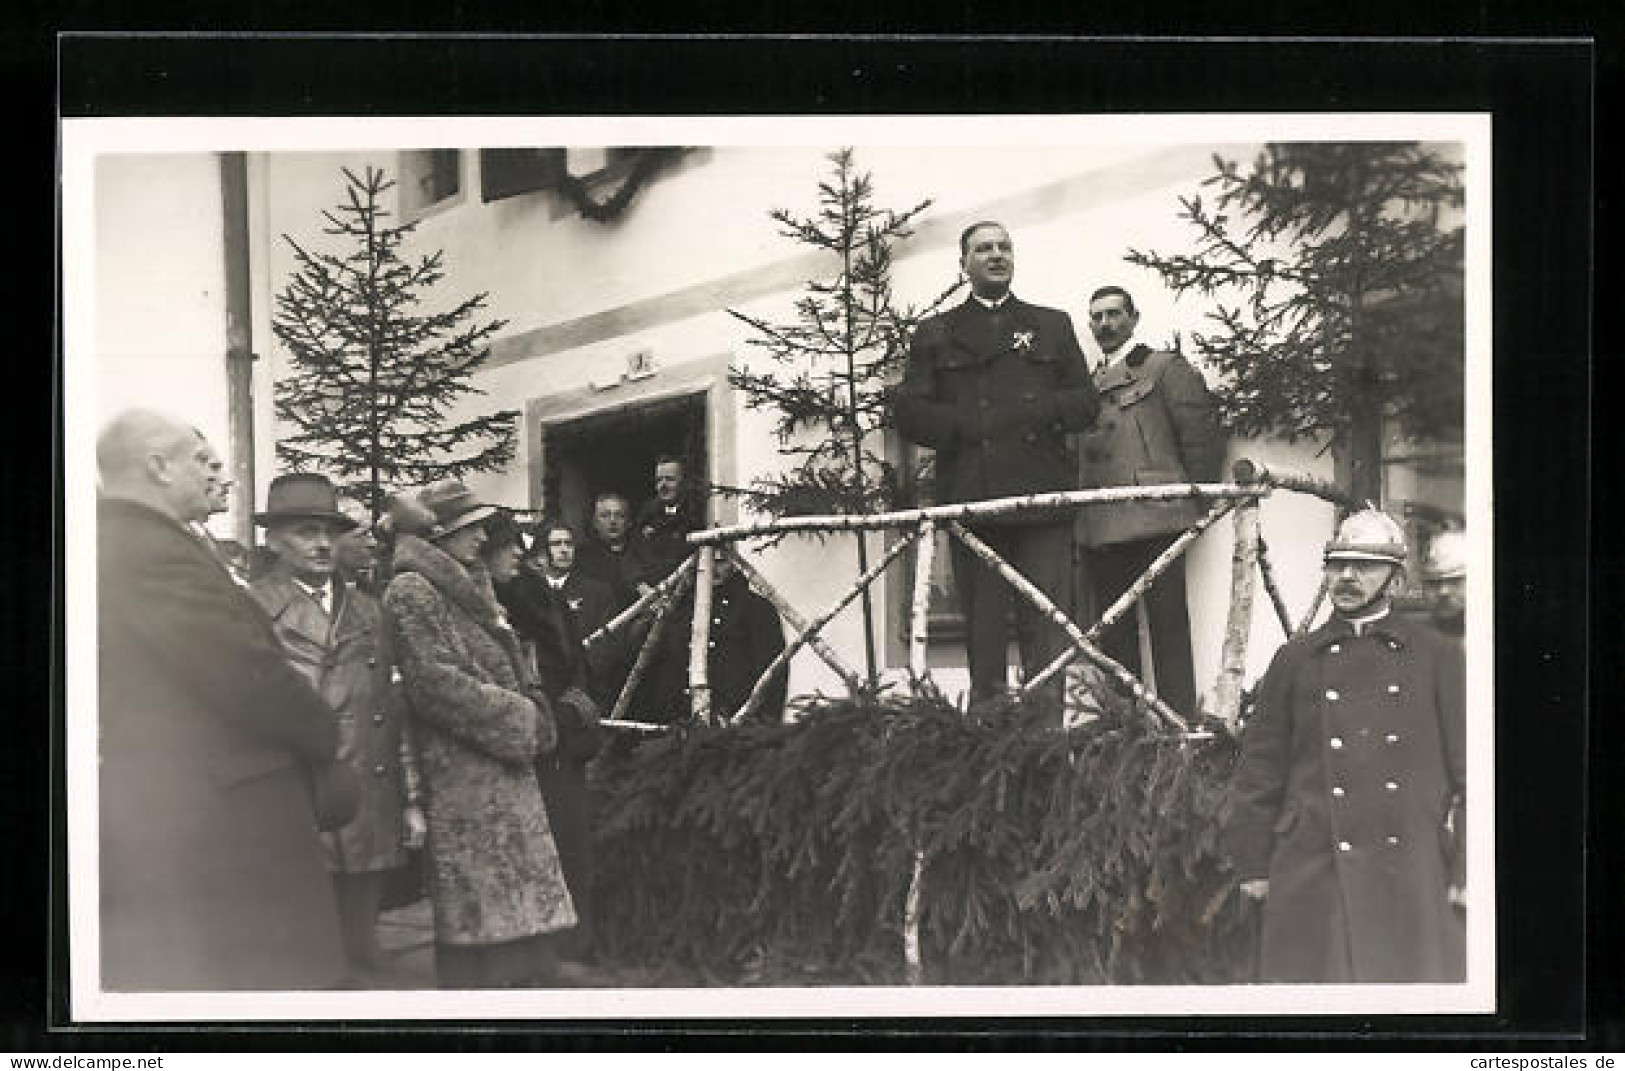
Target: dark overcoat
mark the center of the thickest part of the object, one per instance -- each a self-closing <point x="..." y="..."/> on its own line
<point x="594" y="558"/>
<point x="212" y="876"/>
<point x="1351" y="764"/>
<point x="479" y="721"/>
<point x="995" y="394"/>
<point x="1158" y="424"/>
<point x="746" y="636"/>
<point x="348" y="659"/>
<point x="659" y="541"/>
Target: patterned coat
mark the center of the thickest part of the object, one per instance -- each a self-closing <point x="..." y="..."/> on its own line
<point x="479" y="722"/>
<point x="995" y="394"/>
<point x="1351" y="768"/>
<point x="210" y="868"/>
<point x="348" y="659"/>
<point x="1158" y="424"/>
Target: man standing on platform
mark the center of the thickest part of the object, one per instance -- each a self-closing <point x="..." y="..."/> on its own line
<point x="994" y="386"/>
<point x="1158" y="424"/>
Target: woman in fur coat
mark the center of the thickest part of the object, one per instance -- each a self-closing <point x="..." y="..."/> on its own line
<point x="479" y="720"/>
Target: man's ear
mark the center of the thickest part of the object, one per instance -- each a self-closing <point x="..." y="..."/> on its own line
<point x="158" y="467"/>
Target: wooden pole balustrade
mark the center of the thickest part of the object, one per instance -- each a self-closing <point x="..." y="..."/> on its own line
<point x="914" y="972"/>
<point x="919" y="620"/>
<point x="1048" y="502"/>
<point x="699" y="647"/>
<point x="1314" y="607"/>
<point x="644" y="601"/>
<point x="1266" y="572"/>
<point x="651" y="643"/>
<point x="1030" y="591"/>
<point x="797" y="623"/>
<point x="1126" y="601"/>
<point x="759" y="692"/>
<point x="1251" y="472"/>
<point x="1238" y="625"/>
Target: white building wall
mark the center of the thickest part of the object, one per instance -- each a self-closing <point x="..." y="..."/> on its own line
<point x="159" y="291"/>
<point x="580" y="295"/>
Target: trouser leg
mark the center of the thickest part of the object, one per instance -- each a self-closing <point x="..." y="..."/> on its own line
<point x="984" y="599"/>
<point x="357" y="897"/>
<point x="1043" y="554"/>
<point x="1114" y="569"/>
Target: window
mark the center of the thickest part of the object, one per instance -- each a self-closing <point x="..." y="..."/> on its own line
<point x="430" y="179"/>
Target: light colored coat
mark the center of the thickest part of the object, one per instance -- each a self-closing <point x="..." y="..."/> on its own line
<point x="479" y="723"/>
<point x="1157" y="424"/>
<point x="348" y="659"/>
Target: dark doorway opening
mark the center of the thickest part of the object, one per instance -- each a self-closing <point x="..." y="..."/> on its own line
<point x="615" y="450"/>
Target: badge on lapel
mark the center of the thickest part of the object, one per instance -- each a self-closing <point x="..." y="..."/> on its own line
<point x="1023" y="341"/>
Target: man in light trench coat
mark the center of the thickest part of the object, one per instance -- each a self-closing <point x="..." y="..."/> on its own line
<point x="1346" y="819"/>
<point x="335" y="637"/>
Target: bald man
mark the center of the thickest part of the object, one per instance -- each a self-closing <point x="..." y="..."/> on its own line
<point x="217" y="759"/>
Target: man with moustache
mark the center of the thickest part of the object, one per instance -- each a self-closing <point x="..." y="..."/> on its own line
<point x="1158" y="424"/>
<point x="335" y="637"/>
<point x="1346" y="823"/>
<point x="994" y="386"/>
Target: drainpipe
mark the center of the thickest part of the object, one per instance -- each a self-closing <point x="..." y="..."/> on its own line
<point x="239" y="344"/>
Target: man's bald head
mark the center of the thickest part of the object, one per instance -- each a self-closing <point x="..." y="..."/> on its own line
<point x="153" y="458"/>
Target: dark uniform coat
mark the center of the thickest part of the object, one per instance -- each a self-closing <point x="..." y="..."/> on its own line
<point x="594" y="558"/>
<point x="746" y="636"/>
<point x="659" y="541"/>
<point x="348" y="659"/>
<point x="212" y="875"/>
<point x="479" y="721"/>
<point x="1158" y="424"/>
<point x="995" y="396"/>
<point x="1351" y="766"/>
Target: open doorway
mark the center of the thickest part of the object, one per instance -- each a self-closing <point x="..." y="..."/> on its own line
<point x="615" y="450"/>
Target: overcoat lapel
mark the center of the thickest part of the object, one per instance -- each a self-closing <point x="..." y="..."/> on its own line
<point x="1121" y="373"/>
<point x="982" y="336"/>
<point x="292" y="609"/>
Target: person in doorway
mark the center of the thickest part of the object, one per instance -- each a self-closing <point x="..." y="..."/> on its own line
<point x="1158" y="424"/>
<point x="480" y="720"/>
<point x="660" y="530"/>
<point x="334" y="636"/>
<point x="217" y="760"/>
<point x="994" y="385"/>
<point x="603" y="554"/>
<point x="1349" y="792"/>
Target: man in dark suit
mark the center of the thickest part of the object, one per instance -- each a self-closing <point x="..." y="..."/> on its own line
<point x="217" y="758"/>
<point x="1158" y="424"/>
<point x="994" y="386"/>
<point x="603" y="553"/>
<point x="660" y="530"/>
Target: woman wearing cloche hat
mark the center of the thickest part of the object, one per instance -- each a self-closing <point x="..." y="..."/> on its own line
<point x="480" y="721"/>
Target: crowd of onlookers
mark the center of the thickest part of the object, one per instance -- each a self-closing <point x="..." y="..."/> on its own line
<point x="287" y="729"/>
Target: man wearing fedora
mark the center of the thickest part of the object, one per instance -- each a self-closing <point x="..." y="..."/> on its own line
<point x="1346" y="822"/>
<point x="210" y="867"/>
<point x="334" y="635"/>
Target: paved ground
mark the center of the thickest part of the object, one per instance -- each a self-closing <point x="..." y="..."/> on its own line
<point x="407" y="935"/>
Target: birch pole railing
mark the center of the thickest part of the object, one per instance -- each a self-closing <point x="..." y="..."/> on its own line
<point x="917" y="528"/>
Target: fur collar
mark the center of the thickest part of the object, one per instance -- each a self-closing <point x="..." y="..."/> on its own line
<point x="413" y="554"/>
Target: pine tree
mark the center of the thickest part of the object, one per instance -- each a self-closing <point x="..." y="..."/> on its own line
<point x="1339" y="295"/>
<point x="373" y="374"/>
<point x="833" y="363"/>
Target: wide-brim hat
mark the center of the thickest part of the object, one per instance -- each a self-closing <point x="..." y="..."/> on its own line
<point x="302" y="496"/>
<point x="454" y="507"/>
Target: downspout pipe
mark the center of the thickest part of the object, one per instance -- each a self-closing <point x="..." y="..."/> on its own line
<point x="239" y="343"/>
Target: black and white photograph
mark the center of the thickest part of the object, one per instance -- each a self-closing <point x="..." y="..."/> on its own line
<point x="618" y="567"/>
